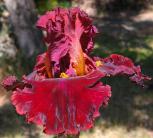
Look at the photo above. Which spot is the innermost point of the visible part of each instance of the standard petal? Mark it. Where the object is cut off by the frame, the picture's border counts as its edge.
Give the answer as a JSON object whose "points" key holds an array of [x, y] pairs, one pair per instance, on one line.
{"points": [[63, 105], [117, 64], [69, 32]]}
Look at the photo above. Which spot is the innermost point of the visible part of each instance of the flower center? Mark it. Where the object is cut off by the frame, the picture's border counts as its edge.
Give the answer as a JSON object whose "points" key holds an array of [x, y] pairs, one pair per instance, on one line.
{"points": [[99, 63], [77, 59], [64, 75]]}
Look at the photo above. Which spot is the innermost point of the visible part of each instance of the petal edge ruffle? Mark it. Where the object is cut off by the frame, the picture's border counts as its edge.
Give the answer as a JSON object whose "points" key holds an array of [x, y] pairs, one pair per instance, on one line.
{"points": [[60, 105]]}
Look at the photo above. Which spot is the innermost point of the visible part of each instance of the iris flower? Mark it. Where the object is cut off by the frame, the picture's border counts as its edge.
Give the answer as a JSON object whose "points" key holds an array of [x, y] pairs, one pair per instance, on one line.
{"points": [[64, 91]]}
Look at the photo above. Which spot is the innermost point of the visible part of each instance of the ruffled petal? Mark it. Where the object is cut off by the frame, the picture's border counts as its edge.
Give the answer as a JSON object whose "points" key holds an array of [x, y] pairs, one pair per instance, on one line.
{"points": [[9, 82], [69, 32], [60, 105], [117, 64]]}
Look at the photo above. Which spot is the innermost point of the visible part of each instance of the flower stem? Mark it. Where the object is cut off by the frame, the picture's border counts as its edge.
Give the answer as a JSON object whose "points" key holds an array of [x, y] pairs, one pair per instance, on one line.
{"points": [[62, 136], [76, 136], [67, 136]]}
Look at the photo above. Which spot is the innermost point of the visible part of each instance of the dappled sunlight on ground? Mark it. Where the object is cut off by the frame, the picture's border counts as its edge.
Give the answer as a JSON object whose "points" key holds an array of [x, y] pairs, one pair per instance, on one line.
{"points": [[118, 132]]}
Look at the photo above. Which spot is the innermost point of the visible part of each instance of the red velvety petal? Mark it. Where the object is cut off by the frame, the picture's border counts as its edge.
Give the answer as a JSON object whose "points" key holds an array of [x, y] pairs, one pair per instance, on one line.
{"points": [[138, 77], [87, 39], [71, 22], [9, 82], [63, 105], [69, 32], [40, 62], [118, 64]]}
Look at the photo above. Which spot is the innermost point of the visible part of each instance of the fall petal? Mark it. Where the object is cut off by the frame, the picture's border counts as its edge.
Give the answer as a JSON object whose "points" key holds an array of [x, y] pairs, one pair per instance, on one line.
{"points": [[118, 64], [60, 105], [9, 82]]}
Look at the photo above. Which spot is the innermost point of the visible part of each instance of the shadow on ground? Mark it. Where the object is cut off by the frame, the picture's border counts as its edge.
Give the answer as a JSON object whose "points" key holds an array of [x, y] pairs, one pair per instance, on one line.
{"points": [[12, 124]]}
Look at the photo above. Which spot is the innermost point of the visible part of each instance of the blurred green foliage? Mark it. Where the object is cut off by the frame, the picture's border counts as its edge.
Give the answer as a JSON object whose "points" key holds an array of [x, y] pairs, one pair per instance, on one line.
{"points": [[46, 5], [140, 49]]}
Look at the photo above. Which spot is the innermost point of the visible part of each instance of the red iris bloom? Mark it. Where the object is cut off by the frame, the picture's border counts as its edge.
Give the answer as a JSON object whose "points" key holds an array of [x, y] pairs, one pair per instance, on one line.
{"points": [[63, 93]]}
